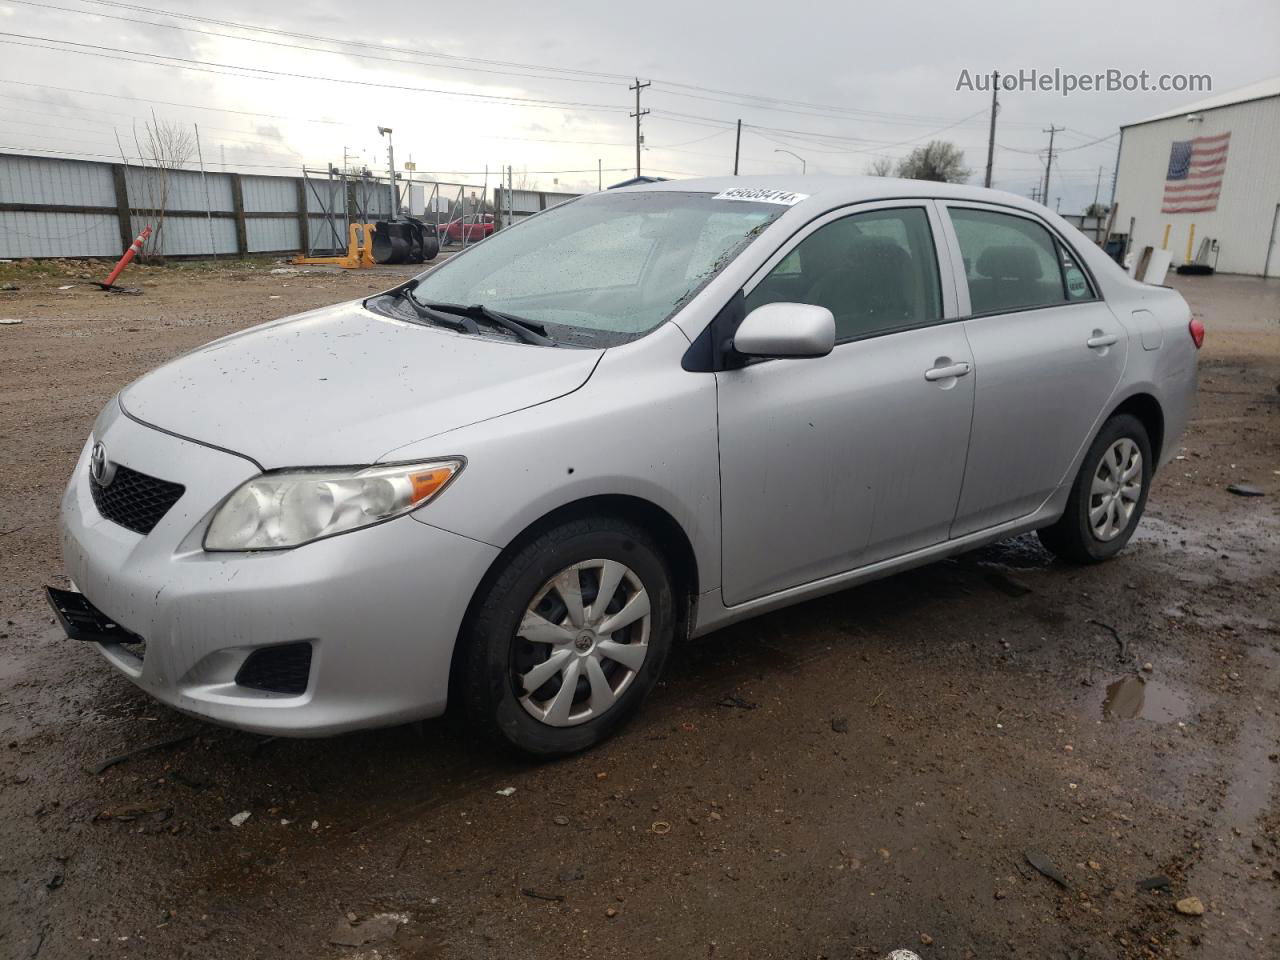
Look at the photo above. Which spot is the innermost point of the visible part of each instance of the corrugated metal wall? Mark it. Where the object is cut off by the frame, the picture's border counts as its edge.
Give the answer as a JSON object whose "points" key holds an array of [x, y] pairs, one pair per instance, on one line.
{"points": [[37, 180], [189, 236], [32, 234], [269, 194], [268, 236], [89, 227], [1247, 206], [200, 216], [178, 189]]}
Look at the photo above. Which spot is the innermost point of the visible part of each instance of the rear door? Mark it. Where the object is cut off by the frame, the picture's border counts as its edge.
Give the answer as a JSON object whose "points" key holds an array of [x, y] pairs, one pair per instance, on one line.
{"points": [[1048, 354], [832, 463]]}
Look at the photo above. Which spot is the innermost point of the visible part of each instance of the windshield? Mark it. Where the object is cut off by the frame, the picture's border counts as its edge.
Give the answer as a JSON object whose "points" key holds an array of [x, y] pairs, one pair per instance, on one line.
{"points": [[604, 269]]}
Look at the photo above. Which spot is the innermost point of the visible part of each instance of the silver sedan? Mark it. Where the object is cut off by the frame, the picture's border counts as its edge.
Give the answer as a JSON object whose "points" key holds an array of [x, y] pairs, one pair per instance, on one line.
{"points": [[510, 485]]}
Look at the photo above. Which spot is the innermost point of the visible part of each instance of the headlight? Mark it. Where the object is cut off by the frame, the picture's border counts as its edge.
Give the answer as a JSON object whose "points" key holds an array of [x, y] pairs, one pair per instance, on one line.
{"points": [[288, 509]]}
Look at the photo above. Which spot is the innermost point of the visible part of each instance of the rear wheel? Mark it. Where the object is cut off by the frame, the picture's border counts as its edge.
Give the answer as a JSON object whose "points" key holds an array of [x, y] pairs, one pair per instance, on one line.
{"points": [[568, 637], [1108, 496]]}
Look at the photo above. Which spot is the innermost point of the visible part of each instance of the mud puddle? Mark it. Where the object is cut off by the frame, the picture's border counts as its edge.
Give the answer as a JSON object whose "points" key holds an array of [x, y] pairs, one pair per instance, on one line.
{"points": [[1135, 698]]}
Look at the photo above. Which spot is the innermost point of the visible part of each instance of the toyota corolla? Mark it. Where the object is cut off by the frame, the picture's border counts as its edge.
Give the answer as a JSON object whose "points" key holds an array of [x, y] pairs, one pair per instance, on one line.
{"points": [[511, 484]]}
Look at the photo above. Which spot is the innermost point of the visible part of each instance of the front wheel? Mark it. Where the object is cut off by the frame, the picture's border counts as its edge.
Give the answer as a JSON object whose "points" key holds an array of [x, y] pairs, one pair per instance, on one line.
{"points": [[1108, 496], [567, 637]]}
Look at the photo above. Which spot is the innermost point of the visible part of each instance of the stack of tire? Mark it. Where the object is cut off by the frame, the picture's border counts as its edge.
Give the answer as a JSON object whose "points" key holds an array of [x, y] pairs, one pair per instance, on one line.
{"points": [[407, 240]]}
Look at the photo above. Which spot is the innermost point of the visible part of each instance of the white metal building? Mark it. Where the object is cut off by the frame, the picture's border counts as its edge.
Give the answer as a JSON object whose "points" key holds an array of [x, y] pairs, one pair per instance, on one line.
{"points": [[1209, 170]]}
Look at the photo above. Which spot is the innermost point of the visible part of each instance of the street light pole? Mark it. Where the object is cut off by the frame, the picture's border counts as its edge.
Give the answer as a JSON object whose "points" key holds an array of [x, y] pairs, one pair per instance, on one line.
{"points": [[804, 167], [391, 164]]}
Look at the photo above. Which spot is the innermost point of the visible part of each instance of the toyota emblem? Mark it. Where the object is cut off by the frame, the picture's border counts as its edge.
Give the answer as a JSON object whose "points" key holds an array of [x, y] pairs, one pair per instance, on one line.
{"points": [[99, 469]]}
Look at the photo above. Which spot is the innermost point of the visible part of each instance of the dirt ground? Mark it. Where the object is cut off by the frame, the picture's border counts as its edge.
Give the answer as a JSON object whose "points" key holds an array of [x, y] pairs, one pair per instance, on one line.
{"points": [[853, 775]]}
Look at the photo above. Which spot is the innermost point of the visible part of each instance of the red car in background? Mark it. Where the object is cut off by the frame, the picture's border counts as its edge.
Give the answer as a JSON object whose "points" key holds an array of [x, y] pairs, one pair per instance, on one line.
{"points": [[453, 231]]}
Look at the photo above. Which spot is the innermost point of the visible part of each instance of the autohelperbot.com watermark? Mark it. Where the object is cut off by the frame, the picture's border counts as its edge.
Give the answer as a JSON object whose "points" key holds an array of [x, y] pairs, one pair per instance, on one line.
{"points": [[1066, 82]]}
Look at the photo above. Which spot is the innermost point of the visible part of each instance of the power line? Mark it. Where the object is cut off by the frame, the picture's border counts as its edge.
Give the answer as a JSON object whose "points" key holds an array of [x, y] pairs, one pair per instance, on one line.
{"points": [[544, 72], [167, 103], [261, 142], [294, 166], [1079, 146], [212, 66], [296, 46], [347, 42], [249, 72]]}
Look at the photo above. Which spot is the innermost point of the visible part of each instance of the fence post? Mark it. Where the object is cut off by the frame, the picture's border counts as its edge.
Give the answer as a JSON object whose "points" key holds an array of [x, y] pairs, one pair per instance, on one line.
{"points": [[122, 204], [304, 223], [237, 205]]}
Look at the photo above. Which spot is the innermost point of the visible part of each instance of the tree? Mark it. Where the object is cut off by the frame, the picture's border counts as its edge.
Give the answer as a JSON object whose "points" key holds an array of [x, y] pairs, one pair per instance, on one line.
{"points": [[937, 160], [1096, 210], [163, 146], [881, 167]]}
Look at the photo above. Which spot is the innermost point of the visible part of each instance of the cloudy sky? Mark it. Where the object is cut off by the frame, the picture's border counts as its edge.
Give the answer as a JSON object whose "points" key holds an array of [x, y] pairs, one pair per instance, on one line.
{"points": [[544, 87]]}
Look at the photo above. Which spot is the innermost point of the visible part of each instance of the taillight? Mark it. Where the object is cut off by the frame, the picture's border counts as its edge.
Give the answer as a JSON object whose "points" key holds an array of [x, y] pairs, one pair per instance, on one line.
{"points": [[1196, 329]]}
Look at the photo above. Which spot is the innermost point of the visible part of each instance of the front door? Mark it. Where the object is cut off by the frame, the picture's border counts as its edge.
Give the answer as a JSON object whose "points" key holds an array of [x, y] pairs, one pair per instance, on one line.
{"points": [[1049, 354], [833, 463]]}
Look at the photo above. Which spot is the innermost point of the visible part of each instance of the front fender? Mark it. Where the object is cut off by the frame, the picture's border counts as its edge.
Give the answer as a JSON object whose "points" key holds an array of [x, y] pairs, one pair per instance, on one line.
{"points": [[639, 427]]}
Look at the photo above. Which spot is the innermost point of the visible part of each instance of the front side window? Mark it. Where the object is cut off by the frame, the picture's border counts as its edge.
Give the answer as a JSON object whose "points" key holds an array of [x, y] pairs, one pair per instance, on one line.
{"points": [[604, 269], [1013, 263], [875, 271]]}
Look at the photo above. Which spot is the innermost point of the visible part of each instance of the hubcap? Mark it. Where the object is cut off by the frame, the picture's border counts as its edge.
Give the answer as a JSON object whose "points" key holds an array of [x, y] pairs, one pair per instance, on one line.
{"points": [[582, 639], [1116, 487]]}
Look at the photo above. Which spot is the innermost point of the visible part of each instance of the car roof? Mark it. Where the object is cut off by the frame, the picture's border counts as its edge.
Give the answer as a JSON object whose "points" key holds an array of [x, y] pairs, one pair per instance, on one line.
{"points": [[831, 191]]}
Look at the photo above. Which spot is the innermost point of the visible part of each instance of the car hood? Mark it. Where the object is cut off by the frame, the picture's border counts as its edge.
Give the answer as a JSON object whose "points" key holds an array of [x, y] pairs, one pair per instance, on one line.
{"points": [[344, 386]]}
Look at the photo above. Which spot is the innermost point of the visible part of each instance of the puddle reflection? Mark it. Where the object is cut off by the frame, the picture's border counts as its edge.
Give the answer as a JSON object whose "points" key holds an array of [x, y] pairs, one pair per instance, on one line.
{"points": [[1131, 698]]}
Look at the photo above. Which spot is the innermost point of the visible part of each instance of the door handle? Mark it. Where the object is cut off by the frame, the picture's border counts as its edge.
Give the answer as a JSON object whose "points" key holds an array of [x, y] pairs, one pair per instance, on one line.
{"points": [[1100, 339], [947, 372]]}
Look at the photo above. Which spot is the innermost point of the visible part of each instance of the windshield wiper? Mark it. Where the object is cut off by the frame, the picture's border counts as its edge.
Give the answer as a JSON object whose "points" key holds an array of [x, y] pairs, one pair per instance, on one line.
{"points": [[463, 324], [529, 331]]}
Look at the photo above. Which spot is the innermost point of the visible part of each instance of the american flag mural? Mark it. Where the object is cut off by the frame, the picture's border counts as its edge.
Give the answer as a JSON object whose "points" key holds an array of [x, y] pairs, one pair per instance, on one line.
{"points": [[1195, 174]]}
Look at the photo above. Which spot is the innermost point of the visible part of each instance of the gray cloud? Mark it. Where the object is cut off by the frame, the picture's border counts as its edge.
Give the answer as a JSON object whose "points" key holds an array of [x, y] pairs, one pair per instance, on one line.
{"points": [[889, 71]]}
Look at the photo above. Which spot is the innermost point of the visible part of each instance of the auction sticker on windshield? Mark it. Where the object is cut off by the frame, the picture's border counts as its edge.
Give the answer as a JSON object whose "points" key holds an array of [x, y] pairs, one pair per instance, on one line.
{"points": [[784, 197]]}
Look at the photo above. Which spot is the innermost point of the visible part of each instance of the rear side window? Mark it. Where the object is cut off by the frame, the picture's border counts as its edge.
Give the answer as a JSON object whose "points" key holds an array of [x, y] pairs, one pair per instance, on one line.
{"points": [[876, 272], [1074, 278], [1013, 263]]}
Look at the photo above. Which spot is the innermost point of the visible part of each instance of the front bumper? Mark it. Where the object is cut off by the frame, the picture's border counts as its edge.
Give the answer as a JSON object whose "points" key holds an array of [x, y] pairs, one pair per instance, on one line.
{"points": [[381, 607]]}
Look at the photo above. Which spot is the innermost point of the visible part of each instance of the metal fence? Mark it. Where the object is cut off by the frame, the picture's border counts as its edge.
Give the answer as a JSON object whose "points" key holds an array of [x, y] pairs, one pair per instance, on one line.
{"points": [[79, 208], [82, 208], [515, 205]]}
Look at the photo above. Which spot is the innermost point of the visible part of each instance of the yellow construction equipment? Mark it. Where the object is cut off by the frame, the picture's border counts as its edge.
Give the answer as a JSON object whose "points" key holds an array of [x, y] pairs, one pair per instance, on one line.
{"points": [[359, 250]]}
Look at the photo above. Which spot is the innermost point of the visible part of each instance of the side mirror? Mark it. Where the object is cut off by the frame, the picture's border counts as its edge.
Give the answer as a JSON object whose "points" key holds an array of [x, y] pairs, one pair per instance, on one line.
{"points": [[786, 330]]}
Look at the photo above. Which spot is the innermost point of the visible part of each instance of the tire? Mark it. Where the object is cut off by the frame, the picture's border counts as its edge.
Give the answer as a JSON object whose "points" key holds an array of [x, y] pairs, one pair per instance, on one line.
{"points": [[1079, 537], [521, 618]]}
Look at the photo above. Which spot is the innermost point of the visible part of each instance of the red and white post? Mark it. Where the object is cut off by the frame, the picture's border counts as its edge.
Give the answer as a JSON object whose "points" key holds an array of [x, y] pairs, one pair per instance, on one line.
{"points": [[134, 249]]}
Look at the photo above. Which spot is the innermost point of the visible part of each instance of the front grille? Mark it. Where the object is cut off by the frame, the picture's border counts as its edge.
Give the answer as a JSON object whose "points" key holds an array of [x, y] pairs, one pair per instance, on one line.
{"points": [[282, 669], [134, 500]]}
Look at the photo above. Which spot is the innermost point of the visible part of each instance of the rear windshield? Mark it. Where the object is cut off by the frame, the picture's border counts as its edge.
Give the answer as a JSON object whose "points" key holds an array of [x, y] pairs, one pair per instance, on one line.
{"points": [[606, 268]]}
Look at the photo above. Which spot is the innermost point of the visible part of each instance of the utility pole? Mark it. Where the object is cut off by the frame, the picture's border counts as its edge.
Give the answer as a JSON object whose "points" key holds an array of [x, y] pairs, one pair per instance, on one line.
{"points": [[391, 169], [599, 174], [1097, 187], [1048, 164], [637, 87], [737, 148], [991, 138], [208, 208]]}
